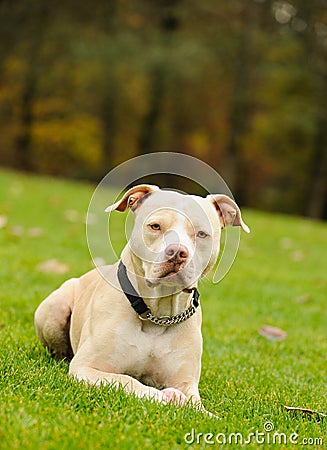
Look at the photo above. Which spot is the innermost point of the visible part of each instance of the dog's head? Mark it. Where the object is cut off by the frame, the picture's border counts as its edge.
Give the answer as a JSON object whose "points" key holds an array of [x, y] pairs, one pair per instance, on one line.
{"points": [[176, 237]]}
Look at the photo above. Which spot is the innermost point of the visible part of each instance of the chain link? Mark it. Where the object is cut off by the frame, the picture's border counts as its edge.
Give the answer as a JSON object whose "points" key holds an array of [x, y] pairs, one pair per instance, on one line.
{"points": [[167, 321]]}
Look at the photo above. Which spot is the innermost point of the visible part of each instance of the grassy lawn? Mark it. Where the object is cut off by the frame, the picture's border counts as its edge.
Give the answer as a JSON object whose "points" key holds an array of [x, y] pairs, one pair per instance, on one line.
{"points": [[279, 278]]}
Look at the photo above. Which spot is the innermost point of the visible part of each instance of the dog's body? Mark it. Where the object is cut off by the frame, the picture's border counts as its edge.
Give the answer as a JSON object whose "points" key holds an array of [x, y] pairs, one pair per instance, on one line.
{"points": [[175, 241]]}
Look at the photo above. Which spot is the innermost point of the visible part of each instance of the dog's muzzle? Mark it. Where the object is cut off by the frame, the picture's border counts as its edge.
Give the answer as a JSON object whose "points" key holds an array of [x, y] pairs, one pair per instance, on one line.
{"points": [[141, 308]]}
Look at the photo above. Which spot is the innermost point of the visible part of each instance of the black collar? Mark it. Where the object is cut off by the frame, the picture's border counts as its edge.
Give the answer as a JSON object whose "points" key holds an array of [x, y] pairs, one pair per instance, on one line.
{"points": [[143, 310]]}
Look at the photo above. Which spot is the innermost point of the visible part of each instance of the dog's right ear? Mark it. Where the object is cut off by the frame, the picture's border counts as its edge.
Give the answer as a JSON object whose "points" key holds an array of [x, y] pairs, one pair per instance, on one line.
{"points": [[132, 197]]}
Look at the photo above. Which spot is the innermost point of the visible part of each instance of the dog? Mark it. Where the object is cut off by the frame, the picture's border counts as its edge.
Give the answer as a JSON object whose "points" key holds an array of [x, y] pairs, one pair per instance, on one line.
{"points": [[136, 324]]}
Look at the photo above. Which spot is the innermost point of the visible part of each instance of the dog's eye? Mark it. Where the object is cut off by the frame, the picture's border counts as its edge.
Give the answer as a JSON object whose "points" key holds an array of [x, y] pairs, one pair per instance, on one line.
{"points": [[155, 226], [201, 234]]}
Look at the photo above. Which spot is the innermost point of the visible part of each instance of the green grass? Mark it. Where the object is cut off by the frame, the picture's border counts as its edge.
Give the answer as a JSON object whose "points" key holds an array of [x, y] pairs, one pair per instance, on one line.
{"points": [[279, 278]]}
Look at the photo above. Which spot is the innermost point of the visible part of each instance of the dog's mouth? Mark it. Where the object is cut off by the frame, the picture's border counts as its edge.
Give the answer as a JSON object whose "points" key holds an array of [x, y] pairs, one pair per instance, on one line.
{"points": [[171, 270]]}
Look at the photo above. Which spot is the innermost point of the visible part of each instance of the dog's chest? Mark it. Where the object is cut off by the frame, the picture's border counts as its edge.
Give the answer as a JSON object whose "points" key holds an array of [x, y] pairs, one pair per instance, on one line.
{"points": [[145, 356]]}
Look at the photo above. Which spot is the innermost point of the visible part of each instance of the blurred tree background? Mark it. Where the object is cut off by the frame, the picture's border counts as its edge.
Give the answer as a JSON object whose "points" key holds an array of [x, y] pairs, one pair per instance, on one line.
{"points": [[240, 84]]}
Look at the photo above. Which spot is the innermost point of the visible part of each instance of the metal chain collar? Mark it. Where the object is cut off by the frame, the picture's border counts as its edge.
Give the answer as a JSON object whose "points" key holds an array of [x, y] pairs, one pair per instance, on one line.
{"points": [[167, 320]]}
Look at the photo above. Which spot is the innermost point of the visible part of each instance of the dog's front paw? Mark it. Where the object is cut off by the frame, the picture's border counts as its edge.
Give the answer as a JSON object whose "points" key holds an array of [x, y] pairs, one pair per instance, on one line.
{"points": [[174, 395]]}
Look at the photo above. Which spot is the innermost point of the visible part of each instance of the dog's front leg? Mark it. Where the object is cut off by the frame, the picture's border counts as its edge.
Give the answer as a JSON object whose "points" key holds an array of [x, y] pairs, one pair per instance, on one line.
{"points": [[129, 384]]}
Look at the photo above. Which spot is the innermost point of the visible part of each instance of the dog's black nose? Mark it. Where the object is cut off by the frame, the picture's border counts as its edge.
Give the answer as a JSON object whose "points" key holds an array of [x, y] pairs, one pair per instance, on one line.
{"points": [[177, 253]]}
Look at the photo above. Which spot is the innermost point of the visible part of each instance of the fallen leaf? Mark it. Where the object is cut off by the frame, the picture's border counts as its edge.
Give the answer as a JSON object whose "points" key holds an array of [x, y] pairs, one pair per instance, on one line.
{"points": [[53, 266], [71, 215], [297, 256], [286, 243], [35, 232], [272, 333], [3, 221], [17, 230], [319, 415], [302, 298]]}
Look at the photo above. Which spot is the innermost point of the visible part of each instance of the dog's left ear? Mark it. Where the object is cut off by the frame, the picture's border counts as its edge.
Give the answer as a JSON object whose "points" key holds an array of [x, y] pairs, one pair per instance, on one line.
{"points": [[229, 212], [131, 197]]}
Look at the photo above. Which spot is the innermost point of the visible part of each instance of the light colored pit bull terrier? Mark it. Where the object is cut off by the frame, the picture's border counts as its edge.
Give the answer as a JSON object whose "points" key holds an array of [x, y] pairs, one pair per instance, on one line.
{"points": [[137, 324]]}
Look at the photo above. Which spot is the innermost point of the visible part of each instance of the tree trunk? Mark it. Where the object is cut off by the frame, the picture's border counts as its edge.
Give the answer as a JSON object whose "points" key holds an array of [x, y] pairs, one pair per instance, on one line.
{"points": [[24, 140], [157, 90], [108, 116], [159, 78], [109, 102], [24, 159], [240, 107], [317, 203]]}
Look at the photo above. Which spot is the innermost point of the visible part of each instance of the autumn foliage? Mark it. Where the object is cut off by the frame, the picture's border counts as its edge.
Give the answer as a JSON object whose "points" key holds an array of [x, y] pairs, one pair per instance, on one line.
{"points": [[240, 84]]}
